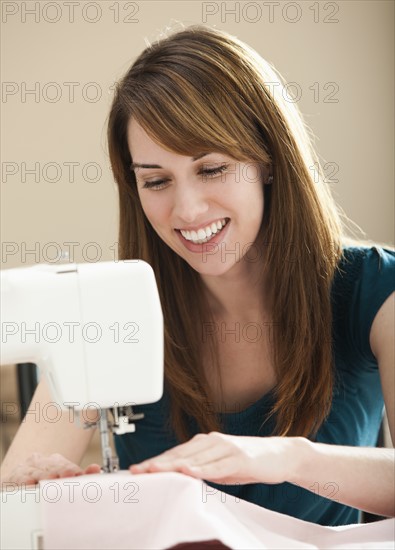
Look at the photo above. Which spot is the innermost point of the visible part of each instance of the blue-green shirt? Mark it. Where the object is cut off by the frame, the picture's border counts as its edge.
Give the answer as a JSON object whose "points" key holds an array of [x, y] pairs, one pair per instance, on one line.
{"points": [[365, 278]]}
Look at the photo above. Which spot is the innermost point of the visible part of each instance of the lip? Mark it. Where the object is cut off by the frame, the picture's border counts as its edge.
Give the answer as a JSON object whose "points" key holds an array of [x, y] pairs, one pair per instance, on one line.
{"points": [[202, 226], [204, 247]]}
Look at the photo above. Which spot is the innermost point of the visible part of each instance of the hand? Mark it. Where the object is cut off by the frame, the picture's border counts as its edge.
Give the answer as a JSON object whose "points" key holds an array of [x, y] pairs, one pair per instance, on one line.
{"points": [[38, 466], [228, 459]]}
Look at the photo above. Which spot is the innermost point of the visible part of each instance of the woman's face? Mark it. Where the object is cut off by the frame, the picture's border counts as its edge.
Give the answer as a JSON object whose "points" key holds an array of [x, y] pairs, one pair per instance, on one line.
{"points": [[211, 198]]}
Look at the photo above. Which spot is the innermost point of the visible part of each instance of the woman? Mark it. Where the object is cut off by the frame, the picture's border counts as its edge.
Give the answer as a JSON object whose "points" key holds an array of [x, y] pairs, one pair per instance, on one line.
{"points": [[273, 326]]}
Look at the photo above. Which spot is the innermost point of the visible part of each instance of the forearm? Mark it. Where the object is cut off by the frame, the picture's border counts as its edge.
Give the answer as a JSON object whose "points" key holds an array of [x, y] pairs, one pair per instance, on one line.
{"points": [[37, 433], [361, 477]]}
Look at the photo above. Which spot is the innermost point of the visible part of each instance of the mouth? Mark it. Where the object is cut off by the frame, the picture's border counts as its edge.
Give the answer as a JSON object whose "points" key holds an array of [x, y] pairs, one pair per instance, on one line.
{"points": [[204, 235]]}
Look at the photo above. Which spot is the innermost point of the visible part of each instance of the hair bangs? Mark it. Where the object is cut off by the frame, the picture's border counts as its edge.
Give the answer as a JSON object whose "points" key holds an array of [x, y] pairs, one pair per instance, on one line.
{"points": [[186, 116]]}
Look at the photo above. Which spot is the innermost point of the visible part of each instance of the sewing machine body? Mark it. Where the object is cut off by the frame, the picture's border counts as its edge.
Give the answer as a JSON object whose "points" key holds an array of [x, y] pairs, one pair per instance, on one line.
{"points": [[94, 330], [20, 518], [96, 333]]}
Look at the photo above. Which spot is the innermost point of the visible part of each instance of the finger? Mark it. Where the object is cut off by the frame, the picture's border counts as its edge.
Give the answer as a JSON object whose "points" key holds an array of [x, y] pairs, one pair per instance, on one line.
{"points": [[50, 471], [178, 464], [93, 469], [63, 469], [138, 468], [206, 444], [31, 483], [202, 454], [224, 470], [54, 463], [26, 481], [207, 456], [198, 443], [52, 476], [68, 472]]}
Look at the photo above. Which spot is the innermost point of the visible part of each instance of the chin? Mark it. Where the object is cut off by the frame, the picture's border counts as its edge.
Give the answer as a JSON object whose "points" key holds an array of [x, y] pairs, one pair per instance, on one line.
{"points": [[211, 269]]}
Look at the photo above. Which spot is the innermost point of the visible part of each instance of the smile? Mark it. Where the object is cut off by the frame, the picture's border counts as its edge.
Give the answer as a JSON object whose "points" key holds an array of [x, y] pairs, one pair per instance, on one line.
{"points": [[205, 234]]}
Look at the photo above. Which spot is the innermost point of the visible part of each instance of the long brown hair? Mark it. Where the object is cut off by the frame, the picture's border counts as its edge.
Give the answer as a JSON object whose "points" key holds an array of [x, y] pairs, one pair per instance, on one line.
{"points": [[201, 90]]}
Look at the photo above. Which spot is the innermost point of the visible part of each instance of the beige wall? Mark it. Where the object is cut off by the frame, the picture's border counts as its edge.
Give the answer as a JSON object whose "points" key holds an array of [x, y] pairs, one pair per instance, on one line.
{"points": [[343, 51]]}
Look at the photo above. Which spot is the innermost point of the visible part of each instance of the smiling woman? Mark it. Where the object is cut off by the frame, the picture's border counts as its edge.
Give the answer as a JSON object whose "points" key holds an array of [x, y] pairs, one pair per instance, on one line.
{"points": [[216, 193], [203, 91], [279, 350]]}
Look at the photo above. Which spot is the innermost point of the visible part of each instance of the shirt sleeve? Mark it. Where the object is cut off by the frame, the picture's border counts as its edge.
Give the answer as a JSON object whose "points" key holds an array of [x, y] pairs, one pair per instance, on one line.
{"points": [[374, 282]]}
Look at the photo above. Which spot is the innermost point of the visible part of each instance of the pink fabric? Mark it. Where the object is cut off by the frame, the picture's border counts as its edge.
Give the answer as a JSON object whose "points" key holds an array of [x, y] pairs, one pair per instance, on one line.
{"points": [[158, 511], [207, 545]]}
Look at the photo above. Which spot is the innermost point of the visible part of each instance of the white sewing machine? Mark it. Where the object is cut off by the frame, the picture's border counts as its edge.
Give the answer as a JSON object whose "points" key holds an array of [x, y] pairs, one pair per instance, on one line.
{"points": [[96, 333]]}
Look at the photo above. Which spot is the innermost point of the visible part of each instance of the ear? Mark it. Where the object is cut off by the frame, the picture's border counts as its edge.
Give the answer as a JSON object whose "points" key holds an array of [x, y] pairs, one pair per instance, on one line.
{"points": [[267, 174]]}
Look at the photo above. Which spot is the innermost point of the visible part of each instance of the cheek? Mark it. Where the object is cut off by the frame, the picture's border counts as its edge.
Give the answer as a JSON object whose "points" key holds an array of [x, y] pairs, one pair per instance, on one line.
{"points": [[253, 210], [249, 185], [250, 200], [256, 188], [252, 174], [154, 209]]}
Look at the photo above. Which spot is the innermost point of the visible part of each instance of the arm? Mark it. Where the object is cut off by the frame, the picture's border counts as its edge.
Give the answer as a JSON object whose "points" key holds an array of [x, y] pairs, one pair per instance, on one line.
{"points": [[365, 476], [38, 435], [383, 347], [360, 477]]}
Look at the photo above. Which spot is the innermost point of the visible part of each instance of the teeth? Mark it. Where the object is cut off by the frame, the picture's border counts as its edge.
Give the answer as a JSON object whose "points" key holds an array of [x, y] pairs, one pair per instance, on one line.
{"points": [[203, 235]]}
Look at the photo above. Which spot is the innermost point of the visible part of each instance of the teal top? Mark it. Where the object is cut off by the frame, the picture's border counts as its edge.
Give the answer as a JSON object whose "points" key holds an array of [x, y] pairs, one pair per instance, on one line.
{"points": [[365, 279]]}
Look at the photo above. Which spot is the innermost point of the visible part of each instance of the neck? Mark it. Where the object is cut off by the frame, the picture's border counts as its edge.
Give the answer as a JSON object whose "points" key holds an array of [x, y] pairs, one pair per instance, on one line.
{"points": [[240, 293]]}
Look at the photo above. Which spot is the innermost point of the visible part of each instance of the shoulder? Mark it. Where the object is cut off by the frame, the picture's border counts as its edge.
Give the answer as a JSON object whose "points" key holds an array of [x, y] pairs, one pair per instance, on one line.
{"points": [[372, 258], [364, 279], [364, 266]]}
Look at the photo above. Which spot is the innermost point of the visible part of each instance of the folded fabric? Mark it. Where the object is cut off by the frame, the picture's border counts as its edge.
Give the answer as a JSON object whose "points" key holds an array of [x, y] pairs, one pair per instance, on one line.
{"points": [[163, 510]]}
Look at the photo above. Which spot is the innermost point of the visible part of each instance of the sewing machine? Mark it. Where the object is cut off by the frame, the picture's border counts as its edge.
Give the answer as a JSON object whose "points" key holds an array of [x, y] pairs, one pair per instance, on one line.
{"points": [[95, 331]]}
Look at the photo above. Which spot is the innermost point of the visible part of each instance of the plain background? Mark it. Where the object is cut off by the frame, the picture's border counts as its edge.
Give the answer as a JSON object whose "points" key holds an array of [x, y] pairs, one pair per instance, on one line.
{"points": [[60, 60]]}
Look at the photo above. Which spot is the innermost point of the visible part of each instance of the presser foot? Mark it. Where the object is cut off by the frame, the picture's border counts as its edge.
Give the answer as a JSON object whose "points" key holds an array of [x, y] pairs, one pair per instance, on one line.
{"points": [[110, 465]]}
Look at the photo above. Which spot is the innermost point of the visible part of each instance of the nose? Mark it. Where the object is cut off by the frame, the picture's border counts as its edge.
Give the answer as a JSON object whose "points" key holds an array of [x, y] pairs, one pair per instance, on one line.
{"points": [[190, 205]]}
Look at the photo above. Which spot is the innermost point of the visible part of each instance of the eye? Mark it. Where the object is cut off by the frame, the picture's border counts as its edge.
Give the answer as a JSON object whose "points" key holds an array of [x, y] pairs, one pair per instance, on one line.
{"points": [[210, 172], [155, 184]]}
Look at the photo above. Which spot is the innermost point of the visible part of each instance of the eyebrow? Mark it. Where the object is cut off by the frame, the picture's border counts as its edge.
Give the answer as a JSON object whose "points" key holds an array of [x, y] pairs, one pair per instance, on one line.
{"points": [[139, 165]]}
